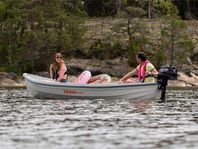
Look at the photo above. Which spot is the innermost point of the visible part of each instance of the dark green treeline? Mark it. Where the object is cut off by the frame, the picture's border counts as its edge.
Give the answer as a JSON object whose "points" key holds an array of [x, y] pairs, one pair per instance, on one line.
{"points": [[188, 9], [32, 30]]}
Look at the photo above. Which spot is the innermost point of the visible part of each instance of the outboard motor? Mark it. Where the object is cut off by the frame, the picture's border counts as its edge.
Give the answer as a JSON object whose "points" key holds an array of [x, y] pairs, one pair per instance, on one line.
{"points": [[165, 73]]}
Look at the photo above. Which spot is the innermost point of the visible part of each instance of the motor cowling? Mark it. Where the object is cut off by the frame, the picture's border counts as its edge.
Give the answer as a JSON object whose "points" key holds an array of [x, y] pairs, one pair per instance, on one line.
{"points": [[165, 73]]}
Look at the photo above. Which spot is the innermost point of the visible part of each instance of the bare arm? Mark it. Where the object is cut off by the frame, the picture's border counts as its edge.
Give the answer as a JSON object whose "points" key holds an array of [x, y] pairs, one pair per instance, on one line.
{"points": [[62, 71], [128, 75], [154, 73], [51, 71]]}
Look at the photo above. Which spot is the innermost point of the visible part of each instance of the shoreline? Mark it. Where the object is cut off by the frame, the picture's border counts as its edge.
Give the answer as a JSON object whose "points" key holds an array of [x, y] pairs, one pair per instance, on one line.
{"points": [[169, 87], [182, 88], [184, 82]]}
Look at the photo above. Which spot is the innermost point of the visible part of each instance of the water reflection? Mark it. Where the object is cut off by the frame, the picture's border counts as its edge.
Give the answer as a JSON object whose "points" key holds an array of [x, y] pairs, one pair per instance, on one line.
{"points": [[26, 122]]}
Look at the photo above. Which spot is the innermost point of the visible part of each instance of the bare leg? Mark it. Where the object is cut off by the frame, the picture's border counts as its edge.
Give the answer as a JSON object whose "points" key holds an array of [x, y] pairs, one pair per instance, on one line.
{"points": [[73, 79], [130, 80], [100, 79]]}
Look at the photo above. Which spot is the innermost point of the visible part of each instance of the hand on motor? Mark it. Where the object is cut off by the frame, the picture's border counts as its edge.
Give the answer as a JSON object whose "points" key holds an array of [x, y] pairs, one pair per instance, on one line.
{"points": [[153, 74]]}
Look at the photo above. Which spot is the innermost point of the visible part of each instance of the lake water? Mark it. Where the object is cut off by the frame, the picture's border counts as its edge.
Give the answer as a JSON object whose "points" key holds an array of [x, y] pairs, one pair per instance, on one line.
{"points": [[29, 123]]}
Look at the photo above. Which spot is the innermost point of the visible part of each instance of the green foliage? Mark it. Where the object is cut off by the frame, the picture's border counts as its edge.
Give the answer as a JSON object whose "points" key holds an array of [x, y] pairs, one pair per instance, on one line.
{"points": [[154, 8], [175, 41], [166, 7], [132, 52], [184, 47], [108, 8], [2, 8], [101, 8], [30, 29], [134, 12], [158, 58], [105, 51], [74, 7], [136, 31]]}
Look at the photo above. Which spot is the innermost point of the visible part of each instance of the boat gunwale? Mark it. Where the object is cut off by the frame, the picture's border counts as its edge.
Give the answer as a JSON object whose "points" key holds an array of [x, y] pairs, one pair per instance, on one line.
{"points": [[112, 85]]}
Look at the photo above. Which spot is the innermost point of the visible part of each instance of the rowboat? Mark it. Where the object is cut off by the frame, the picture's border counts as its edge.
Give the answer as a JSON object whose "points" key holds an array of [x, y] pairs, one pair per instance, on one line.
{"points": [[42, 87]]}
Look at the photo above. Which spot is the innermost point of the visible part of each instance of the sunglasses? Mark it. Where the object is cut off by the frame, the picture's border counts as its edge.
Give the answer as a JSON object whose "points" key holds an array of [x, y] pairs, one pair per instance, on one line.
{"points": [[58, 57]]}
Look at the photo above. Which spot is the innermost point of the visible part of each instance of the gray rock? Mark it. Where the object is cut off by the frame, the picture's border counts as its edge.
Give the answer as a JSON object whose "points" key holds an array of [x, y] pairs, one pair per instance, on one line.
{"points": [[195, 50], [195, 71], [74, 69], [95, 70], [12, 76], [43, 74]]}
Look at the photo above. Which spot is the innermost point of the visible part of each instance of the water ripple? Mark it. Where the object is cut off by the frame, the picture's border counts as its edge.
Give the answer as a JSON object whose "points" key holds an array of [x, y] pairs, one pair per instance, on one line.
{"points": [[26, 122]]}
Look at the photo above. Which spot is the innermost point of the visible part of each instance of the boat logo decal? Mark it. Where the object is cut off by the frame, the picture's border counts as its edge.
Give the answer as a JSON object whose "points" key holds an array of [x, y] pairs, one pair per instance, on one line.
{"points": [[72, 91]]}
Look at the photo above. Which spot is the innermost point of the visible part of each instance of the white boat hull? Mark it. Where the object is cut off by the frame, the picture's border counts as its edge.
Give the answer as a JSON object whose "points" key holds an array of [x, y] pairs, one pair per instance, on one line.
{"points": [[42, 87]]}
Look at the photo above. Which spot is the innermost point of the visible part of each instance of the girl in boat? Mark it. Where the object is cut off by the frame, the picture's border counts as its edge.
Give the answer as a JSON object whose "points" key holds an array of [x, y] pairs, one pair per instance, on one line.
{"points": [[145, 71], [86, 78], [58, 69]]}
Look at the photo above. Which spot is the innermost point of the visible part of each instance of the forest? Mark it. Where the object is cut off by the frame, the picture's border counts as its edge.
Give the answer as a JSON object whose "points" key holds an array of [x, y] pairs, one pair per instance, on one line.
{"points": [[31, 31]]}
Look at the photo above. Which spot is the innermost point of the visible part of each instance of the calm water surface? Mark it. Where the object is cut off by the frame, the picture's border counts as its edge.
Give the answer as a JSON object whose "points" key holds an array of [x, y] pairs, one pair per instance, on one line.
{"points": [[29, 123]]}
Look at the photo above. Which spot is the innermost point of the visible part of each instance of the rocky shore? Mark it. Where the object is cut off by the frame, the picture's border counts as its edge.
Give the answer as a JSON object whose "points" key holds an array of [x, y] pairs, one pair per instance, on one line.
{"points": [[115, 68], [11, 80]]}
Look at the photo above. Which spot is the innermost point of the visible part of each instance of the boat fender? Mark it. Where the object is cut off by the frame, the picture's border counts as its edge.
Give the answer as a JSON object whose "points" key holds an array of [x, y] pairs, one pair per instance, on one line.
{"points": [[83, 78]]}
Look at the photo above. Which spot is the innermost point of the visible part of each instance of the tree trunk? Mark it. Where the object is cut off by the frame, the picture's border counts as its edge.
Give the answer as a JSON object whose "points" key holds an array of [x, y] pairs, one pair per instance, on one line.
{"points": [[128, 28], [1, 25], [118, 5], [172, 43], [149, 9], [22, 31], [32, 45], [188, 6]]}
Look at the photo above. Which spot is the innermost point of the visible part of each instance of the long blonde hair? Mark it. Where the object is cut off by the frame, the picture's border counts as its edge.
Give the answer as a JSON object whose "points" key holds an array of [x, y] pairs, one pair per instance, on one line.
{"points": [[56, 65]]}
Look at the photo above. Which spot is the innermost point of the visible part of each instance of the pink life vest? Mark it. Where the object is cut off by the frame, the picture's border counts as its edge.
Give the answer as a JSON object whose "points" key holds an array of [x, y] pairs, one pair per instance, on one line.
{"points": [[142, 70]]}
